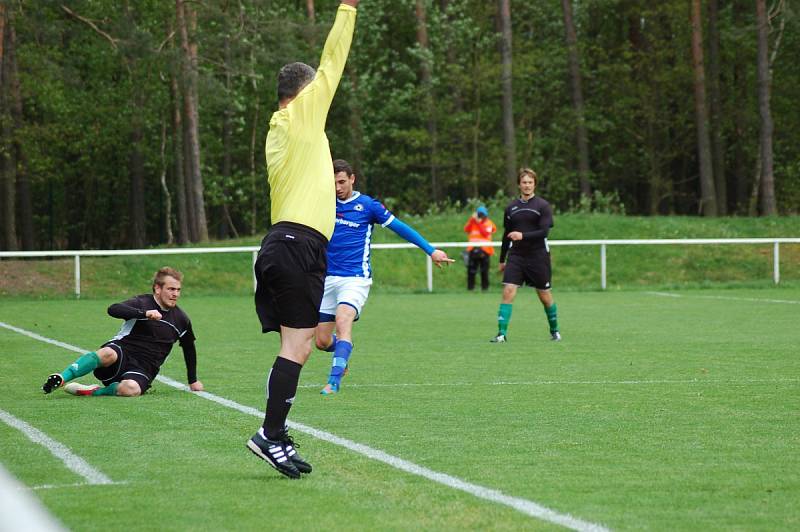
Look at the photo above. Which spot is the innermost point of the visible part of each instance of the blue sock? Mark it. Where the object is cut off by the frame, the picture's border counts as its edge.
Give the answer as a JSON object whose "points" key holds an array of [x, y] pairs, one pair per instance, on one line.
{"points": [[331, 348], [340, 358]]}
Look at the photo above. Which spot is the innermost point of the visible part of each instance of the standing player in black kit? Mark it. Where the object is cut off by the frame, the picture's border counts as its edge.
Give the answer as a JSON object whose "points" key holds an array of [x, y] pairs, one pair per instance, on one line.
{"points": [[527, 221]]}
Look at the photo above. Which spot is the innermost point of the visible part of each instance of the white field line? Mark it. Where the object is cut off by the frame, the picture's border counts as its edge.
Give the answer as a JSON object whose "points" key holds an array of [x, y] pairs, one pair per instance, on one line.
{"points": [[524, 506], [19, 510], [733, 382], [73, 485], [74, 463], [726, 298]]}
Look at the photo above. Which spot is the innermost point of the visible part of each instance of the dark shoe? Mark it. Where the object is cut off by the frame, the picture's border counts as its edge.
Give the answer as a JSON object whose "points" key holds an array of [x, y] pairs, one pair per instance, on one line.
{"points": [[294, 456], [555, 336], [53, 381], [274, 453], [499, 339]]}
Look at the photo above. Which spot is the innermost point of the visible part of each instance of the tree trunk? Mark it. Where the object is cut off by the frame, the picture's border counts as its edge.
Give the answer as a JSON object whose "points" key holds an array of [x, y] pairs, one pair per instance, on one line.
{"points": [[311, 12], [8, 163], [509, 139], [708, 200], [459, 135], [24, 200], [740, 171], [177, 159], [356, 129], [137, 227], [187, 24], [168, 236], [768, 207], [577, 99], [476, 127], [427, 88], [253, 143], [225, 223], [715, 101]]}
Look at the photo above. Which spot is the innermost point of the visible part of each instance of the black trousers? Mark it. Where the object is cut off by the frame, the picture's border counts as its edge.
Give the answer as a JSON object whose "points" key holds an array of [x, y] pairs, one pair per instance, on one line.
{"points": [[478, 259]]}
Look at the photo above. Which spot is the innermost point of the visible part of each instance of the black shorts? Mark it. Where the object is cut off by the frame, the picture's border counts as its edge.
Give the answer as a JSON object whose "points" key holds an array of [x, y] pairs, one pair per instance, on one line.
{"points": [[532, 269], [290, 277], [127, 367]]}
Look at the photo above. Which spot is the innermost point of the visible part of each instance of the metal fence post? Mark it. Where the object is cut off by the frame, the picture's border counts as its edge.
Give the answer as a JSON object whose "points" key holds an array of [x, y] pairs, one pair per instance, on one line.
{"points": [[603, 266], [776, 263], [429, 270], [77, 276]]}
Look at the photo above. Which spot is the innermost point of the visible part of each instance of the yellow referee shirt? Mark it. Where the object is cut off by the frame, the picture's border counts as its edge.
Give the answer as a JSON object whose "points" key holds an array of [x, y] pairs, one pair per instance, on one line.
{"points": [[299, 160]]}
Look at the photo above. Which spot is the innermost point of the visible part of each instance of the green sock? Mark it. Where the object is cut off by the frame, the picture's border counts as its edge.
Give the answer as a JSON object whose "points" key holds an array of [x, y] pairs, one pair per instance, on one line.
{"points": [[111, 389], [503, 317], [552, 317], [81, 367]]}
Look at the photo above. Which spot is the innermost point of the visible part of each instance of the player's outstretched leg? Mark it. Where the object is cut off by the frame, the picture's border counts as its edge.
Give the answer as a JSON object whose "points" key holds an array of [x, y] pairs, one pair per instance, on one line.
{"points": [[341, 359], [85, 364], [76, 388]]}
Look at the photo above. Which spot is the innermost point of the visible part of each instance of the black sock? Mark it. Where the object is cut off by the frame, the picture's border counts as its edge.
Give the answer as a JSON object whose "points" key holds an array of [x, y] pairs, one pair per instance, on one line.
{"points": [[281, 389]]}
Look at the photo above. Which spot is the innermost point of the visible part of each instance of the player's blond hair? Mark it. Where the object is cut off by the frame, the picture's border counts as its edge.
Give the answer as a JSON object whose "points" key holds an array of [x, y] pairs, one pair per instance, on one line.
{"points": [[160, 276], [527, 172]]}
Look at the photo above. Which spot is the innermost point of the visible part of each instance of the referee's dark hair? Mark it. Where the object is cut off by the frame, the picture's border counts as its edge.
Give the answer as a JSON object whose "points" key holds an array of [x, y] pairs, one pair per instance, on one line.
{"points": [[527, 172], [340, 165], [292, 78], [166, 271]]}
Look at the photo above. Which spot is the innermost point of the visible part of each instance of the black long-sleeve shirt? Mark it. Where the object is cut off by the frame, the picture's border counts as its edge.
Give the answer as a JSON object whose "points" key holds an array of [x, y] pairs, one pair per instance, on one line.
{"points": [[153, 339], [532, 218]]}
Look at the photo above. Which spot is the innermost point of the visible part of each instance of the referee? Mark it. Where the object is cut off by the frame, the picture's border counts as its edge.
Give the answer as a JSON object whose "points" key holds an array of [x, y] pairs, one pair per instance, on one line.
{"points": [[290, 267], [527, 221]]}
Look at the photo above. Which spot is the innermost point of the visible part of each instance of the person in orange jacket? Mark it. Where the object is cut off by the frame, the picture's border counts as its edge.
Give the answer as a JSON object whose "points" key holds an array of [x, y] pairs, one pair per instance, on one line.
{"points": [[479, 228]]}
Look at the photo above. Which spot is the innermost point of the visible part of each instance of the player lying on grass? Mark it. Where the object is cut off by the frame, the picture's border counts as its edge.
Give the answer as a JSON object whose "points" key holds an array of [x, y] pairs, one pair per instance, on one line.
{"points": [[128, 363], [349, 275]]}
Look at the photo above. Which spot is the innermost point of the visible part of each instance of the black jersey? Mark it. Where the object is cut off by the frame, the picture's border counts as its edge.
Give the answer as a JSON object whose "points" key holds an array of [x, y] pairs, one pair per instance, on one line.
{"points": [[149, 339], [533, 218]]}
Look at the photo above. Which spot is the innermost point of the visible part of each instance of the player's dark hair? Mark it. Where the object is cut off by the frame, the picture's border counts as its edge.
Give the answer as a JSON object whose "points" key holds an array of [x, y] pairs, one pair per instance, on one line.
{"points": [[340, 165], [163, 273], [292, 78], [527, 172]]}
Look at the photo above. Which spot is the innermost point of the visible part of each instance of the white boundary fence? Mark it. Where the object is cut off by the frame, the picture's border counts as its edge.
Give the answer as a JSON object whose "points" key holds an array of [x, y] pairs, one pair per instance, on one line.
{"points": [[775, 242]]}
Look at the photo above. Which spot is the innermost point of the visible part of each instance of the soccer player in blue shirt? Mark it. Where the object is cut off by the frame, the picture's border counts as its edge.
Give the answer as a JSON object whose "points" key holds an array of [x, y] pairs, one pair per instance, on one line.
{"points": [[349, 275]]}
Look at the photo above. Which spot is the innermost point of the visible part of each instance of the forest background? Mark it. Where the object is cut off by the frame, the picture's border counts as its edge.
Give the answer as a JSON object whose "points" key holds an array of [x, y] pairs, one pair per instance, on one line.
{"points": [[142, 122]]}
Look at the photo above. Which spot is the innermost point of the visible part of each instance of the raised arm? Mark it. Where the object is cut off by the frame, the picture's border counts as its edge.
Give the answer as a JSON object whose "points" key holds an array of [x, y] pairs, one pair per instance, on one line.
{"points": [[314, 101]]}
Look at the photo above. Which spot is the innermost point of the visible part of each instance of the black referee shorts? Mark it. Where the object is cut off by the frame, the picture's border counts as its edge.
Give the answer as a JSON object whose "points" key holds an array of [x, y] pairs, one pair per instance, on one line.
{"points": [[290, 277], [532, 269]]}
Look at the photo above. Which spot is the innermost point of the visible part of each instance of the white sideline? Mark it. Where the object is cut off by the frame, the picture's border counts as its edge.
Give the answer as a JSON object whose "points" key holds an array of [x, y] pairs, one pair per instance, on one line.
{"points": [[73, 462], [726, 298], [524, 506], [19, 510]]}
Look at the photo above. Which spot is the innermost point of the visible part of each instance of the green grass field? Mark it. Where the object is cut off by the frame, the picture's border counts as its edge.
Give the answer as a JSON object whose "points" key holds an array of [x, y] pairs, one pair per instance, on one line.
{"points": [[659, 412]]}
